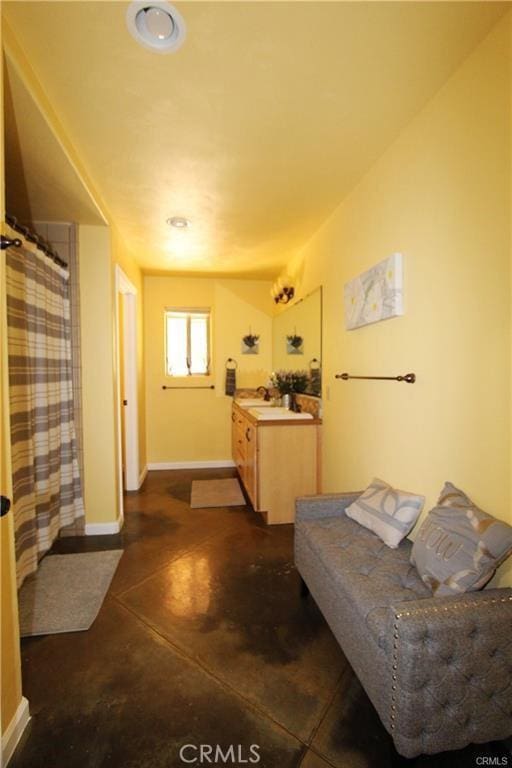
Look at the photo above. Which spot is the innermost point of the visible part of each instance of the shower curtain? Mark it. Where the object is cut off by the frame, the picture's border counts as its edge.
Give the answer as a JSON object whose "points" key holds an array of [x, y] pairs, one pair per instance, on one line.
{"points": [[47, 492]]}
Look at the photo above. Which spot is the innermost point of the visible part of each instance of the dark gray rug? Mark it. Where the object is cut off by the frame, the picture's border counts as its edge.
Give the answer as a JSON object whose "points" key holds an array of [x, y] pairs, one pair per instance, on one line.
{"points": [[66, 593]]}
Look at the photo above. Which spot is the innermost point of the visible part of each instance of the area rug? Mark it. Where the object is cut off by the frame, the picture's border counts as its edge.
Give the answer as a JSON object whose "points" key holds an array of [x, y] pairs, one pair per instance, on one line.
{"points": [[66, 593], [216, 493]]}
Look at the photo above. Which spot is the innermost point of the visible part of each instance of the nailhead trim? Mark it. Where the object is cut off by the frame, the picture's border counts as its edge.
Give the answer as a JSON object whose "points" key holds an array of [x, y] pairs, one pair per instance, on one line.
{"points": [[457, 607], [426, 612], [395, 666]]}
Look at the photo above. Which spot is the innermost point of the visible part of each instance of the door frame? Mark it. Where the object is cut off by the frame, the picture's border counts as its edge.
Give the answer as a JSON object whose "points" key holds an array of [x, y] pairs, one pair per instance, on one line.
{"points": [[126, 288]]}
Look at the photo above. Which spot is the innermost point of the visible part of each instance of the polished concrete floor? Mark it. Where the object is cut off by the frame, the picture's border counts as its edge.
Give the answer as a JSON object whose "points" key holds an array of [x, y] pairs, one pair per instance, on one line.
{"points": [[203, 639]]}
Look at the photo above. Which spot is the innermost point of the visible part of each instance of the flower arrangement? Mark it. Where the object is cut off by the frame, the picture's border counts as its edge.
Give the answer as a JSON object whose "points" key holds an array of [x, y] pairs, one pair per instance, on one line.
{"points": [[295, 341], [289, 382], [250, 340]]}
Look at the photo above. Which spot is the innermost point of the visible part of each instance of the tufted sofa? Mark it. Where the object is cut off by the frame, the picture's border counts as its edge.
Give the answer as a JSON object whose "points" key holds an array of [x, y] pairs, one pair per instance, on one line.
{"points": [[438, 670]]}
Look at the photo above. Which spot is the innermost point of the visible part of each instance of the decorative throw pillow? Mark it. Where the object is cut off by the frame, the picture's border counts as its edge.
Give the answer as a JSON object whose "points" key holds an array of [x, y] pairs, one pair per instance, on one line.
{"points": [[389, 513], [458, 546]]}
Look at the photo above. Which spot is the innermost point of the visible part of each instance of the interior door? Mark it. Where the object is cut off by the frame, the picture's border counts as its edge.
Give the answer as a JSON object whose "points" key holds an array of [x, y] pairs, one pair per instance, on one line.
{"points": [[122, 380]]}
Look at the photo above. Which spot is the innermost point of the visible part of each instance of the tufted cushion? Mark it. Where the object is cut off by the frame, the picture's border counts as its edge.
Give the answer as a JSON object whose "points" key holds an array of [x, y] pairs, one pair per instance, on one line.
{"points": [[387, 511], [368, 573]]}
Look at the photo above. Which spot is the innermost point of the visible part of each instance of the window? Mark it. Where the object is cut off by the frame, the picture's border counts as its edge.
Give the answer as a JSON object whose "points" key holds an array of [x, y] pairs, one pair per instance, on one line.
{"points": [[187, 342]]}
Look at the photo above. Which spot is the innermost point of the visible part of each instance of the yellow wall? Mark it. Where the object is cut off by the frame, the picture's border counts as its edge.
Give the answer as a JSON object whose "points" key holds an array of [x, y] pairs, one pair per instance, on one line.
{"points": [[10, 667], [98, 389], [240, 307], [10, 663], [10, 672], [509, 19], [195, 426], [441, 196]]}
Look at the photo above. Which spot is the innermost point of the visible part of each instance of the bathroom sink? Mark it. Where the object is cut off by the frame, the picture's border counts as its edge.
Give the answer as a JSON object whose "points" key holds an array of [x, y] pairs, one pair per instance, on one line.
{"points": [[251, 402], [274, 414]]}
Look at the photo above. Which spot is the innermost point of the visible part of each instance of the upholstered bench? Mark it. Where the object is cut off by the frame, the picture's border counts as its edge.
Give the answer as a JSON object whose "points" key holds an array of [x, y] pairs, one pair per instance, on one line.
{"points": [[437, 669]]}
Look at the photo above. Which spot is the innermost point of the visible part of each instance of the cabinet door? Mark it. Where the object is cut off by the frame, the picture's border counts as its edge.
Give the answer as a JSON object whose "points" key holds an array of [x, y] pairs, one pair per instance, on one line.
{"points": [[234, 434], [238, 443], [287, 468], [251, 457]]}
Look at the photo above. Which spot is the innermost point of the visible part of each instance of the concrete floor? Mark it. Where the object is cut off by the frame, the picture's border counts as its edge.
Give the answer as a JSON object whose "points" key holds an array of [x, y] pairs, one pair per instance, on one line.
{"points": [[202, 639]]}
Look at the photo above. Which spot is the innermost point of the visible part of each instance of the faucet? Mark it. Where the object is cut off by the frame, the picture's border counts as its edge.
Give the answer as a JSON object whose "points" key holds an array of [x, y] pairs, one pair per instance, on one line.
{"points": [[266, 395]]}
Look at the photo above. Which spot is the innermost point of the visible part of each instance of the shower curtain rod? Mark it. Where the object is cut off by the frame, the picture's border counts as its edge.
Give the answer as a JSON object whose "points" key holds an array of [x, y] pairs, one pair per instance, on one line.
{"points": [[40, 244]]}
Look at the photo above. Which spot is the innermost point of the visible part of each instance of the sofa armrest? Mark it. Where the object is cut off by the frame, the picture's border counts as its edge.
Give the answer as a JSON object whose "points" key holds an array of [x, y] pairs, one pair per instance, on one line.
{"points": [[325, 505], [451, 669]]}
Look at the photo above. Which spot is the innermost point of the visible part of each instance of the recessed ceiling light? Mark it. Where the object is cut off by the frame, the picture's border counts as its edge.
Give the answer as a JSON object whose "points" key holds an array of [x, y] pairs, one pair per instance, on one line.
{"points": [[180, 222], [156, 24]]}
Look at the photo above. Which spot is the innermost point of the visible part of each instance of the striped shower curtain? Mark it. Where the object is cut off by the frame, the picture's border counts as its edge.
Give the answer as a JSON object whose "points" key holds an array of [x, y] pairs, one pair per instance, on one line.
{"points": [[47, 491]]}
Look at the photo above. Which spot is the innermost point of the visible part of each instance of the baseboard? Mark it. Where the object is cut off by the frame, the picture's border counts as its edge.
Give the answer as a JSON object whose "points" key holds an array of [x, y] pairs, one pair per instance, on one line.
{"points": [[221, 464], [103, 529], [142, 475], [14, 731]]}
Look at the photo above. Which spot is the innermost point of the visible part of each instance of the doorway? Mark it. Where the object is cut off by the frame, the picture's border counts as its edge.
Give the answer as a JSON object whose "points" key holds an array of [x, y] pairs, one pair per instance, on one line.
{"points": [[127, 390]]}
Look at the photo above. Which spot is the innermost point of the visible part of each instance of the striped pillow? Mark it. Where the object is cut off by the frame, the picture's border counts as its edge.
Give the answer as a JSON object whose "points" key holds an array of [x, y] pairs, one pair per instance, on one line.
{"points": [[388, 512]]}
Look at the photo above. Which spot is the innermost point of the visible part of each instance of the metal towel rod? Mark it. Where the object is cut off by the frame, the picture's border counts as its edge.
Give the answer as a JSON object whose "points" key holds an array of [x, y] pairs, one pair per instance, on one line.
{"points": [[210, 386], [409, 378]]}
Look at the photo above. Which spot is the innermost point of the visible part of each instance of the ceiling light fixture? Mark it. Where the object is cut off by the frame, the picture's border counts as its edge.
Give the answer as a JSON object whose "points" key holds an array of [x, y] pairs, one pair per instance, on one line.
{"points": [[283, 291], [156, 24], [180, 222]]}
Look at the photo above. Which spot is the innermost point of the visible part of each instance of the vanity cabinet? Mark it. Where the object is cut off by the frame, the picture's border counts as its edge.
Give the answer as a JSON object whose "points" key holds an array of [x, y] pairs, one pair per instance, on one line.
{"points": [[244, 448], [276, 461]]}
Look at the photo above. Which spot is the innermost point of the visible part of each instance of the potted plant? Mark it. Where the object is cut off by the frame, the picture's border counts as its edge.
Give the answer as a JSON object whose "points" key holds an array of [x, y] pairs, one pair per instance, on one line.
{"points": [[300, 381], [250, 340], [295, 341], [289, 383], [282, 381]]}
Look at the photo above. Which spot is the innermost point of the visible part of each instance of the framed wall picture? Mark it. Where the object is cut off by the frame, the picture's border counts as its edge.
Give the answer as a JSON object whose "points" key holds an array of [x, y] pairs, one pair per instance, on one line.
{"points": [[376, 294]]}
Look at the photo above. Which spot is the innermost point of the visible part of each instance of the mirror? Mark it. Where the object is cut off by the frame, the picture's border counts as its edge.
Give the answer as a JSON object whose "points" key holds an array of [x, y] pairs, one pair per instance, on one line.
{"points": [[297, 339]]}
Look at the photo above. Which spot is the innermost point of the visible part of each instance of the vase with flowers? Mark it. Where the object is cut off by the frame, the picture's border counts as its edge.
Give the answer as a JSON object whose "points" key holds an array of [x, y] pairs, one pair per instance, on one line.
{"points": [[289, 384]]}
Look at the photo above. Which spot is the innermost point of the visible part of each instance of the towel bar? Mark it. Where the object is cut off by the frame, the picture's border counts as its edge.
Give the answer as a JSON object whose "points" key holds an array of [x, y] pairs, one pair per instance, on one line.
{"points": [[409, 378], [210, 386]]}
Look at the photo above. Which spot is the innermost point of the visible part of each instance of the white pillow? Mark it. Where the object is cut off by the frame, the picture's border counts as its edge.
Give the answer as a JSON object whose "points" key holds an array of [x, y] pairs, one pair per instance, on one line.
{"points": [[388, 512]]}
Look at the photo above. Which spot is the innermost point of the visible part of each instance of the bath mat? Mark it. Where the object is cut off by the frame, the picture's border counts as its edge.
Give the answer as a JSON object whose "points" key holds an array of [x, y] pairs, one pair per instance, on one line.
{"points": [[66, 593], [216, 493]]}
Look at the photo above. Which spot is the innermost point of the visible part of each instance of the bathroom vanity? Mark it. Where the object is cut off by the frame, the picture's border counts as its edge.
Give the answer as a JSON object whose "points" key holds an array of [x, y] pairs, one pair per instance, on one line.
{"points": [[277, 455]]}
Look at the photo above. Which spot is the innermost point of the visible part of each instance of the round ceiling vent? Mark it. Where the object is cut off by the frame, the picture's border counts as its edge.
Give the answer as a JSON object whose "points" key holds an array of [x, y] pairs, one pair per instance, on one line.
{"points": [[156, 25], [180, 222]]}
